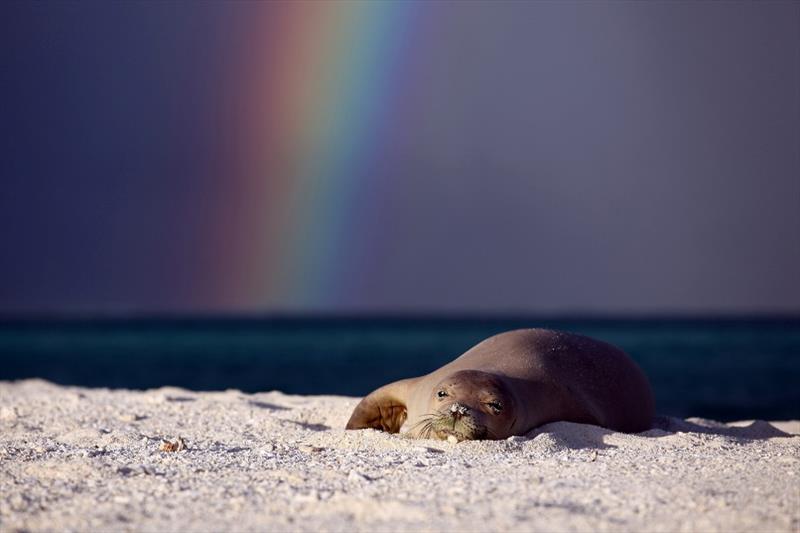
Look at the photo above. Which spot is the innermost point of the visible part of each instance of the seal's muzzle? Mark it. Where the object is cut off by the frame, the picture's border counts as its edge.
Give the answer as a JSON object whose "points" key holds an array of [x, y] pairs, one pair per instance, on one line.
{"points": [[457, 410]]}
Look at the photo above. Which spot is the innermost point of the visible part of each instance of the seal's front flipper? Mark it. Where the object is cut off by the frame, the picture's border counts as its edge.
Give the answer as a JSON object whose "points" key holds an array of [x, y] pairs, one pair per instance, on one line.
{"points": [[383, 409]]}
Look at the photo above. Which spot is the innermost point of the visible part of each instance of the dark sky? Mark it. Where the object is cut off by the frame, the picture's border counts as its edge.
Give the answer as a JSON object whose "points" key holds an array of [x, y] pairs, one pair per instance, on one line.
{"points": [[553, 157]]}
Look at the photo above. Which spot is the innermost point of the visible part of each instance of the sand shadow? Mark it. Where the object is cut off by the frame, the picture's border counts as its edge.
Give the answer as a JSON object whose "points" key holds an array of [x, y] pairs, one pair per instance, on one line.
{"points": [[180, 399], [267, 405], [237, 449], [309, 426], [574, 436], [755, 430]]}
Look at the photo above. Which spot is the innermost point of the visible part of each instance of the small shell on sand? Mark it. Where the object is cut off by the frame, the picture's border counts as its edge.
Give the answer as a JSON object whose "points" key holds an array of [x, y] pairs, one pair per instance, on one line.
{"points": [[177, 446]]}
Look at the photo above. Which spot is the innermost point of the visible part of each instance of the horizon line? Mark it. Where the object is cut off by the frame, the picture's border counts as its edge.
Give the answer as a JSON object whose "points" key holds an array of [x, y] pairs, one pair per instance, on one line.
{"points": [[396, 316]]}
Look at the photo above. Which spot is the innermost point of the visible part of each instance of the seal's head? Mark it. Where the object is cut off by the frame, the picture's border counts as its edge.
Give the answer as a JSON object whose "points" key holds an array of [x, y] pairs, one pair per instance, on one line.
{"points": [[469, 405]]}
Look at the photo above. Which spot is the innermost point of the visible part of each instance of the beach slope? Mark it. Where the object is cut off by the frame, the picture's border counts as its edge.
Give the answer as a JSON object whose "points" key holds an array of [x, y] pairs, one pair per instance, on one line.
{"points": [[177, 460]]}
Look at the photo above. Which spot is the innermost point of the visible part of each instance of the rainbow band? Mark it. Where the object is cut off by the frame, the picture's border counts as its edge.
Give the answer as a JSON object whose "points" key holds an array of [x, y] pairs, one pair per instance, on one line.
{"points": [[319, 81]]}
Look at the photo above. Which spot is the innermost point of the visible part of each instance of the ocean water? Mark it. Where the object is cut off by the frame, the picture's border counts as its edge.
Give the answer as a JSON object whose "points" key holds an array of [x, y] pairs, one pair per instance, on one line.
{"points": [[726, 369]]}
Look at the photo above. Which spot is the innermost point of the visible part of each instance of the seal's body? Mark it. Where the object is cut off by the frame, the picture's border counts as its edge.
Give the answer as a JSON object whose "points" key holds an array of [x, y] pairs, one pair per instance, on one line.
{"points": [[512, 383]]}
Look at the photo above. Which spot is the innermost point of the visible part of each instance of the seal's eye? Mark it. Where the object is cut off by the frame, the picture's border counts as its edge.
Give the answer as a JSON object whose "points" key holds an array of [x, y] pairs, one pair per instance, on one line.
{"points": [[441, 394], [495, 406]]}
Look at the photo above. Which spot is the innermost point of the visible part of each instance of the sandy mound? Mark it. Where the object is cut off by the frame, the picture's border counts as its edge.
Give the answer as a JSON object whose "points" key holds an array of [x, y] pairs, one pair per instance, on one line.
{"points": [[92, 459]]}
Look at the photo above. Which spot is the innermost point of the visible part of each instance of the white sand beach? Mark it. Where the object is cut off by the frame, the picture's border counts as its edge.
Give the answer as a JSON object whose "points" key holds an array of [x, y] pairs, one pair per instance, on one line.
{"points": [[91, 459]]}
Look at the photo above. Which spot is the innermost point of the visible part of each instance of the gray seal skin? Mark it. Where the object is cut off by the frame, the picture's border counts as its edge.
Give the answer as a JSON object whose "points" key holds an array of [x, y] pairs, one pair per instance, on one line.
{"points": [[512, 383]]}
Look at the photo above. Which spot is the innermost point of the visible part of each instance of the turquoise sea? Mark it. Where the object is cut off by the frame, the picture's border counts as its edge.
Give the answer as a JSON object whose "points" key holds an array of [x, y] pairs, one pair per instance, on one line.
{"points": [[721, 368]]}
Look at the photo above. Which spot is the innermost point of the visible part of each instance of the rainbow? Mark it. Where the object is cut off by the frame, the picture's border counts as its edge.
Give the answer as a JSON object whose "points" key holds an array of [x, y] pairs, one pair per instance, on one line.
{"points": [[314, 97]]}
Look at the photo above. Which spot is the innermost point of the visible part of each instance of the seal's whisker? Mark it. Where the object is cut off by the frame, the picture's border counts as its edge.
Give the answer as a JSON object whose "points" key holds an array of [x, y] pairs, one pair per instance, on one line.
{"points": [[417, 424], [423, 420], [424, 426]]}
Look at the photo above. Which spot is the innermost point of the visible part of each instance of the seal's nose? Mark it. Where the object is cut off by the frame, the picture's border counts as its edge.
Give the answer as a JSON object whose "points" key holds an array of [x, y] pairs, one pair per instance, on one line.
{"points": [[457, 410]]}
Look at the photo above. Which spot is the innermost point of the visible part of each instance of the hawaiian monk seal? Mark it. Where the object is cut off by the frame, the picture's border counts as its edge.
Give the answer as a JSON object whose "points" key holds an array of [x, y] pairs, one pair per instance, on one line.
{"points": [[512, 383]]}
